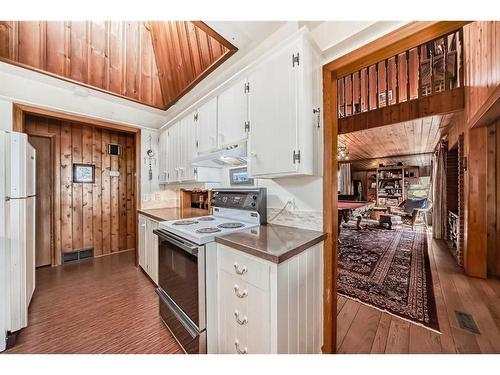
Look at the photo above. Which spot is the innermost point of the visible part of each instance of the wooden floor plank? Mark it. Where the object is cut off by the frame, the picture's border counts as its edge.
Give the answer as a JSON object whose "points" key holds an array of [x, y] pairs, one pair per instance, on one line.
{"points": [[104, 305], [398, 339], [380, 340], [361, 337], [346, 316], [423, 341]]}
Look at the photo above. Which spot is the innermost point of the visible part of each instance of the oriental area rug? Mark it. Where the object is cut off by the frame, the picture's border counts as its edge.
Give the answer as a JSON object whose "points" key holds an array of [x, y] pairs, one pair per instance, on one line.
{"points": [[389, 270]]}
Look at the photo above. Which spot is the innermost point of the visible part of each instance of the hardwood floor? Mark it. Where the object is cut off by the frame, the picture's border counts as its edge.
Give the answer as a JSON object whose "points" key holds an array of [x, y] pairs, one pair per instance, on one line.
{"points": [[104, 305], [363, 329]]}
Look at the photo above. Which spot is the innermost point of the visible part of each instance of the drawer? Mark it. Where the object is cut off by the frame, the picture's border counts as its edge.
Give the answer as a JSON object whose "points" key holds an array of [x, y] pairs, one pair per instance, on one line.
{"points": [[244, 322], [244, 267]]}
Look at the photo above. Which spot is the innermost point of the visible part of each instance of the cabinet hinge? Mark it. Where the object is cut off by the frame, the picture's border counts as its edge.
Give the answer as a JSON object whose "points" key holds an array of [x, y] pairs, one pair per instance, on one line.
{"points": [[247, 87], [195, 117], [296, 156], [295, 59], [195, 171], [197, 144], [168, 175], [247, 126]]}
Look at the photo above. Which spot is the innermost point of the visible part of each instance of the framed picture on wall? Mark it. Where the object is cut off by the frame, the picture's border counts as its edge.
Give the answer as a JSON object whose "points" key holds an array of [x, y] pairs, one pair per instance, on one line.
{"points": [[84, 173]]}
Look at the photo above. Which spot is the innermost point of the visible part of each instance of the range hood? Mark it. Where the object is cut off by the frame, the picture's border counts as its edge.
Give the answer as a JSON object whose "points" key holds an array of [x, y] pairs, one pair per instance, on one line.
{"points": [[230, 156]]}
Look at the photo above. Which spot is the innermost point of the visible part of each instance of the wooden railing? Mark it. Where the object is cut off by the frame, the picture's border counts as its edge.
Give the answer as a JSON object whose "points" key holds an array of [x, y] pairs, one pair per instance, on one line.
{"points": [[430, 68]]}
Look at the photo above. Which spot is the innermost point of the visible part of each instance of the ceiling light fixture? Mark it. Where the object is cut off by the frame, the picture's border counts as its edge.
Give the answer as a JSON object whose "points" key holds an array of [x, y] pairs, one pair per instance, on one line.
{"points": [[342, 153]]}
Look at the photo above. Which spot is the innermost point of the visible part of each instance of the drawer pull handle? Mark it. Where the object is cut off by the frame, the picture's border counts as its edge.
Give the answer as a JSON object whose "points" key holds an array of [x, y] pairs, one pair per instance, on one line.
{"points": [[241, 322], [240, 270], [238, 293], [237, 346]]}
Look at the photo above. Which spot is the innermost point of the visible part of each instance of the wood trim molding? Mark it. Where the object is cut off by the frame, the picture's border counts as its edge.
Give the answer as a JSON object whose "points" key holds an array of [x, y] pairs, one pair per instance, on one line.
{"points": [[202, 25], [19, 110], [18, 117], [402, 39], [53, 256], [489, 111]]}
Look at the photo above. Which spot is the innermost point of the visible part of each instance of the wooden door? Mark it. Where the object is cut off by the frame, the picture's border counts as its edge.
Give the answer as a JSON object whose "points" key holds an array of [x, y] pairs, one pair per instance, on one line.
{"points": [[207, 126], [232, 113], [273, 116], [43, 210]]}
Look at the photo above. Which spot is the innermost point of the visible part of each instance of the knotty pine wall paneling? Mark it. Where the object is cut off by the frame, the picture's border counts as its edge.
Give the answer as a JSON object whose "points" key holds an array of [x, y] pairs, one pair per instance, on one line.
{"points": [[99, 215]]}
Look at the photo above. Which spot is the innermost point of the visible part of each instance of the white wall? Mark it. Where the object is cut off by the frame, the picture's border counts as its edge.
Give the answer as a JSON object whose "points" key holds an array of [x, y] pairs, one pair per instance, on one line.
{"points": [[149, 138]]}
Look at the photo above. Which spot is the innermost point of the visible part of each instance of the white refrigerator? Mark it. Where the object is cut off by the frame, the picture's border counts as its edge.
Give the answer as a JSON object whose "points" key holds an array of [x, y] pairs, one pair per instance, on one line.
{"points": [[17, 231]]}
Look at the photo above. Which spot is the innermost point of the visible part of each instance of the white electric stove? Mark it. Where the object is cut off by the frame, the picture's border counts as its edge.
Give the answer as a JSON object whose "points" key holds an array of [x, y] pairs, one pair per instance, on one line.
{"points": [[186, 249]]}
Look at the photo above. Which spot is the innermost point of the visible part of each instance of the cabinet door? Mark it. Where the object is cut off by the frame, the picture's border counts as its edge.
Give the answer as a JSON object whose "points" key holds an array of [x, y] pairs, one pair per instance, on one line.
{"points": [[152, 250], [142, 242], [173, 153], [189, 151], [273, 115], [206, 125], [232, 113], [163, 157]]}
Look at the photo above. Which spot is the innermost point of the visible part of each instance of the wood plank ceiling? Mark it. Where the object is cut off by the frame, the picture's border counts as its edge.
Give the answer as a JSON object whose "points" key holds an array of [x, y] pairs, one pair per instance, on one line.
{"points": [[152, 63], [411, 142]]}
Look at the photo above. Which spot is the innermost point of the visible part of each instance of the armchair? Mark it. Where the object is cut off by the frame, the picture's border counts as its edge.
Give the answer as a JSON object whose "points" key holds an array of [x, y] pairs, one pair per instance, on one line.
{"points": [[413, 210]]}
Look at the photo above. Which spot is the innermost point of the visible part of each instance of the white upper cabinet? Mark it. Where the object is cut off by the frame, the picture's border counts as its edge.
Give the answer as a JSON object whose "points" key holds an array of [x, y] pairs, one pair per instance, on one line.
{"points": [[163, 157], [232, 114], [188, 143], [206, 126], [283, 118]]}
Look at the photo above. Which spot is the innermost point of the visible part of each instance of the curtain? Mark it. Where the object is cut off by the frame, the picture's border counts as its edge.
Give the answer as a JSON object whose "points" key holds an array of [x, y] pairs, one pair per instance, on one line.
{"points": [[439, 209], [345, 179]]}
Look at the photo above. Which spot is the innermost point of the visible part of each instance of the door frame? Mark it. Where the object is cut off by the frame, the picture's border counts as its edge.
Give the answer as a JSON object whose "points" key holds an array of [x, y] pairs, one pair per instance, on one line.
{"points": [[393, 43], [51, 137], [19, 112]]}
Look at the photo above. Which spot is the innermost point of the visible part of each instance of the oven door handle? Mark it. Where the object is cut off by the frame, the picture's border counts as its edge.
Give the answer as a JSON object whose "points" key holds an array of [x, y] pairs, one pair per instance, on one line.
{"points": [[189, 326], [177, 241]]}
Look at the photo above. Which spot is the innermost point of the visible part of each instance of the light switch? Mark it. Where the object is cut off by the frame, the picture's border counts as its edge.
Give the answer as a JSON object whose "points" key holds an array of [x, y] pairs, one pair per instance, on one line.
{"points": [[114, 173]]}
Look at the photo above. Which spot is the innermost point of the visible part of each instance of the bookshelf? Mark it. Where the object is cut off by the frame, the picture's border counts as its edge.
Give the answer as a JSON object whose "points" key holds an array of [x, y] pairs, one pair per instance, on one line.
{"points": [[393, 182]]}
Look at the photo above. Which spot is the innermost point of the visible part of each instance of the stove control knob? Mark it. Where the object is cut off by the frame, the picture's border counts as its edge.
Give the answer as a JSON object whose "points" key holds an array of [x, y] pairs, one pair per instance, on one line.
{"points": [[253, 204], [254, 197]]}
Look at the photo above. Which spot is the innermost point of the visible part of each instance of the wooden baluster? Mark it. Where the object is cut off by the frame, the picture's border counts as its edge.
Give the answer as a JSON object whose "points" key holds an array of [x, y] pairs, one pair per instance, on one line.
{"points": [[345, 98], [432, 49], [352, 94], [386, 82], [368, 87], [377, 85], [447, 85], [397, 79], [419, 75], [408, 87], [460, 57], [359, 91]]}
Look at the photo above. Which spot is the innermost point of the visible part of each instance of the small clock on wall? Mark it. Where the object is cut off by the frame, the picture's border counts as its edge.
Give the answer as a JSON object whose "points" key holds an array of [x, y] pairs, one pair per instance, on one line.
{"points": [[84, 173]]}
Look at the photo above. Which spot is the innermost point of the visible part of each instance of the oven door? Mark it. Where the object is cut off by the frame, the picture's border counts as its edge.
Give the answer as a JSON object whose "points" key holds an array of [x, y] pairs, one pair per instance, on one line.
{"points": [[181, 280]]}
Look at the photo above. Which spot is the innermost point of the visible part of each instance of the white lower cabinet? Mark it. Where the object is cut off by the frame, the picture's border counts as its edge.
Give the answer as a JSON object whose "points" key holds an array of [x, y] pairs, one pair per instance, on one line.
{"points": [[148, 247], [265, 307]]}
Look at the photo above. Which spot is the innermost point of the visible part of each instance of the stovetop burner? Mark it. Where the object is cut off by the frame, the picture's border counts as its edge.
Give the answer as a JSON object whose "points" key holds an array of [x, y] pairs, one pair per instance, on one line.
{"points": [[185, 222], [206, 218], [208, 230], [231, 225]]}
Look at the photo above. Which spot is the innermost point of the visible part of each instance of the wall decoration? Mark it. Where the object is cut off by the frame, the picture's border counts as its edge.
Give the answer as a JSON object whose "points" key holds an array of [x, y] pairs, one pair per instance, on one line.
{"points": [[84, 173]]}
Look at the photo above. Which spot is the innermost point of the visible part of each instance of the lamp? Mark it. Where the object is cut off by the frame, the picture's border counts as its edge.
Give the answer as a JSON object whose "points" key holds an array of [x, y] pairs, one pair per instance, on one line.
{"points": [[342, 152]]}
